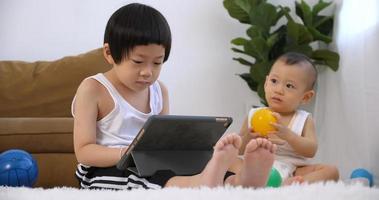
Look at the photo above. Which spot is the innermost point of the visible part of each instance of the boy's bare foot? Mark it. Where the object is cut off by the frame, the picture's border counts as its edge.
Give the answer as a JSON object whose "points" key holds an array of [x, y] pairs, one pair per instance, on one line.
{"points": [[257, 164], [225, 153], [292, 180]]}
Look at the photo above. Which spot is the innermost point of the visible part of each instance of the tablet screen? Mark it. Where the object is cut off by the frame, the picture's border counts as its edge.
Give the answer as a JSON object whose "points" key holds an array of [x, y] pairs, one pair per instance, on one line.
{"points": [[173, 132]]}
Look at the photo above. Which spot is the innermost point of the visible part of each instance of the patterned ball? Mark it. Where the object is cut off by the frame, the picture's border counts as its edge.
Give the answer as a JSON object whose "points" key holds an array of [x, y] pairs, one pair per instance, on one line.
{"points": [[362, 173], [274, 180], [17, 168]]}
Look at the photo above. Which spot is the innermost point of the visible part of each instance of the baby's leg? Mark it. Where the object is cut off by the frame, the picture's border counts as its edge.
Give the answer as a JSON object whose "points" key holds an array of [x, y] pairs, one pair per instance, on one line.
{"points": [[225, 153], [318, 172], [256, 166]]}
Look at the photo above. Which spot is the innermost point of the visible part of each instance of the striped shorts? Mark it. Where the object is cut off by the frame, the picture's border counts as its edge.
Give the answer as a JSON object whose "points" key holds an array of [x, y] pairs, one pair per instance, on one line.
{"points": [[112, 178]]}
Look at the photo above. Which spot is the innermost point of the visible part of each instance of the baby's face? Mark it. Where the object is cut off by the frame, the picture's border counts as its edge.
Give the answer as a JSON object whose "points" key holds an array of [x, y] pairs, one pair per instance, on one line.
{"points": [[286, 86]]}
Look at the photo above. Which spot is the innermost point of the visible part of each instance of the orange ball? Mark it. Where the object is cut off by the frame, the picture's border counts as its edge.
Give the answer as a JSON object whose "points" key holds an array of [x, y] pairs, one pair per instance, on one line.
{"points": [[261, 121]]}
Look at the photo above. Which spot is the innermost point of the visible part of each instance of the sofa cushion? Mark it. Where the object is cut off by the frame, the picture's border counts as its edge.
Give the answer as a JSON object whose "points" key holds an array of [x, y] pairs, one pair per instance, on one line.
{"points": [[37, 135], [45, 88]]}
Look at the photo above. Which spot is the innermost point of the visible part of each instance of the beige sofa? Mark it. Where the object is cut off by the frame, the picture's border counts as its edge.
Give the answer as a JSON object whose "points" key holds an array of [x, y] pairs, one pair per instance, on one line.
{"points": [[35, 101]]}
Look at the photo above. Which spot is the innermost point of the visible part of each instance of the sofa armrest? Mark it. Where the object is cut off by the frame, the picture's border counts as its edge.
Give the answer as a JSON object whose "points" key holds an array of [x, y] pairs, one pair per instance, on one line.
{"points": [[50, 141]]}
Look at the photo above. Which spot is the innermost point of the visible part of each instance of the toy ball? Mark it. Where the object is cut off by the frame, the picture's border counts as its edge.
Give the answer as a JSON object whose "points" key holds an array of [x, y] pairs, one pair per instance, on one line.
{"points": [[261, 121], [274, 180], [362, 173], [17, 168]]}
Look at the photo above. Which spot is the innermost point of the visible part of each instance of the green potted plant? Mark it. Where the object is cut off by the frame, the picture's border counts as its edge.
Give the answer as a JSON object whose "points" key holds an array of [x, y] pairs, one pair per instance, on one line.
{"points": [[267, 39]]}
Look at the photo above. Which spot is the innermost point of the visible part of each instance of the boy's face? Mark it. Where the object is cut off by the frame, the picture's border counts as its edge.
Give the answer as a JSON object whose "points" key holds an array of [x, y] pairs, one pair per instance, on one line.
{"points": [[287, 87], [141, 67]]}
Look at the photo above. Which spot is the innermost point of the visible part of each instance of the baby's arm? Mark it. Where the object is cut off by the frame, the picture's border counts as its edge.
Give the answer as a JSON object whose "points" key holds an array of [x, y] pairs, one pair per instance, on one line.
{"points": [[306, 144], [86, 113]]}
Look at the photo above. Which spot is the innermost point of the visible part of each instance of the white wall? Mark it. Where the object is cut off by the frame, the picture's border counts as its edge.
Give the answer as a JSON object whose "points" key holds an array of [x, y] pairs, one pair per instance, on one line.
{"points": [[200, 73], [347, 109]]}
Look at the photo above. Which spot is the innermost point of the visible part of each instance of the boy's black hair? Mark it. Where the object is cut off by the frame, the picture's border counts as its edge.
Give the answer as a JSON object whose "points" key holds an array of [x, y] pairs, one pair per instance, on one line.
{"points": [[294, 58], [136, 24]]}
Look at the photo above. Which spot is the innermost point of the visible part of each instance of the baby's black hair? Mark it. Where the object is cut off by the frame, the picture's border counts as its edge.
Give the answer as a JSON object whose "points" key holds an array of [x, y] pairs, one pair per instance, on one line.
{"points": [[294, 58], [136, 24]]}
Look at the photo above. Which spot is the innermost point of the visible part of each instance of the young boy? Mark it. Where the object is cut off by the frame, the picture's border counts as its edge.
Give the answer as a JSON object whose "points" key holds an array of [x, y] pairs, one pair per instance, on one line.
{"points": [[110, 108], [288, 85]]}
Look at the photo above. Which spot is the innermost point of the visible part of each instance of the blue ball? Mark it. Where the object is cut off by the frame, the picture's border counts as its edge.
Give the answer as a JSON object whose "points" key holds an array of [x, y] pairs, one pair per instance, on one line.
{"points": [[363, 173], [17, 168]]}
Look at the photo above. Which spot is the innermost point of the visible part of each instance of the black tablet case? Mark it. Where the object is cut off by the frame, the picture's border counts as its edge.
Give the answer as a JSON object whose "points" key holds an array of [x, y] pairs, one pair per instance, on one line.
{"points": [[182, 144]]}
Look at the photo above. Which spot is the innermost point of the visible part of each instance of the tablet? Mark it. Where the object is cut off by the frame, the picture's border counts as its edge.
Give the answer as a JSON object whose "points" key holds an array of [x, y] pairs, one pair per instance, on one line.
{"points": [[182, 144]]}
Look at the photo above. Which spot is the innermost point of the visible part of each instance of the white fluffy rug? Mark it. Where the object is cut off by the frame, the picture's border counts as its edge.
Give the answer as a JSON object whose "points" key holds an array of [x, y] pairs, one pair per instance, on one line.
{"points": [[333, 191]]}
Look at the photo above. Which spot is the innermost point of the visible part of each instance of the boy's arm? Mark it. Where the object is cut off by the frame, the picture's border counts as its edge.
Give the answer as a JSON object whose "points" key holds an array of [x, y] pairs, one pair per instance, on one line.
{"points": [[166, 104], [86, 111], [305, 145]]}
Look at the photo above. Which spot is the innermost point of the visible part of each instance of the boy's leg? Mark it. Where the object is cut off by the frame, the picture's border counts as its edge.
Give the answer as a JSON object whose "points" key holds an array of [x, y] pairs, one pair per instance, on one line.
{"points": [[292, 180], [236, 166], [225, 153], [318, 172], [256, 165]]}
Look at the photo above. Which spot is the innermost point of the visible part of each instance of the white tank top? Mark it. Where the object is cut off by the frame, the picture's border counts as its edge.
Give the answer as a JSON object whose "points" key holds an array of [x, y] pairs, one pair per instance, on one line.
{"points": [[285, 152], [120, 126]]}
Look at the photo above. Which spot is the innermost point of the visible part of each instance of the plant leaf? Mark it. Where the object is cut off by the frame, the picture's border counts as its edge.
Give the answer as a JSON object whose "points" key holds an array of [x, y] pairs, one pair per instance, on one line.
{"points": [[243, 61], [298, 34], [239, 41], [324, 24], [253, 85], [319, 36], [254, 31], [246, 5], [259, 71], [278, 47], [264, 16], [288, 16], [282, 12], [321, 5], [236, 12], [240, 51], [257, 48], [305, 49], [273, 39], [327, 57], [261, 93], [304, 12]]}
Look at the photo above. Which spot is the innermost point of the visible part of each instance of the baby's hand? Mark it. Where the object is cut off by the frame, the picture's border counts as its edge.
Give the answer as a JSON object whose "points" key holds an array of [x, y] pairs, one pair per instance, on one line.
{"points": [[254, 134], [282, 131]]}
